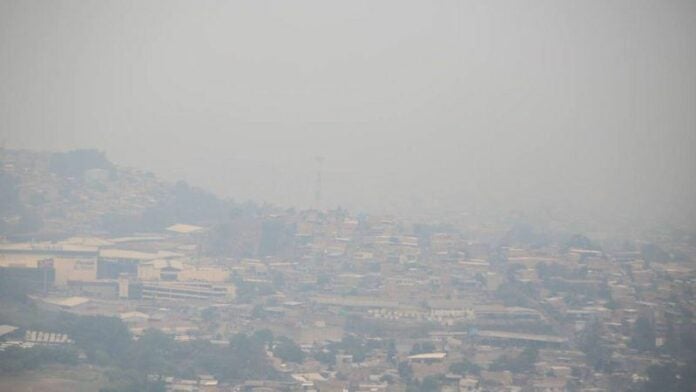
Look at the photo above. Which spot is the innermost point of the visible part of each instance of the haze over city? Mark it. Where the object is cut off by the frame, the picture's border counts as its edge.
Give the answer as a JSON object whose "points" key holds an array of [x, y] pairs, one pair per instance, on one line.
{"points": [[414, 106], [354, 196]]}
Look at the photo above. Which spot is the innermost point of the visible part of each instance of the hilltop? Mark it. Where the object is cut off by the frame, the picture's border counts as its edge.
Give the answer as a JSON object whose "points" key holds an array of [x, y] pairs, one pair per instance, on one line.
{"points": [[50, 195]]}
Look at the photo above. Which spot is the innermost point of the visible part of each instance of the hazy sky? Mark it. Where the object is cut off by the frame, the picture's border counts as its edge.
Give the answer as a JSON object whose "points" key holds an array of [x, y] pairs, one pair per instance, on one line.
{"points": [[423, 105]]}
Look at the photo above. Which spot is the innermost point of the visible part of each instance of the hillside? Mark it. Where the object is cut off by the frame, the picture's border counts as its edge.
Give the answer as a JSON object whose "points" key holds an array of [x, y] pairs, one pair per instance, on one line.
{"points": [[45, 195]]}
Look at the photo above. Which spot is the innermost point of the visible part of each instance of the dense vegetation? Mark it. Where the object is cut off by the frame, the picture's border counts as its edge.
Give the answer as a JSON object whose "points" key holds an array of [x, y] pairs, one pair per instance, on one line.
{"points": [[15, 359], [524, 362], [107, 343], [670, 378], [180, 203]]}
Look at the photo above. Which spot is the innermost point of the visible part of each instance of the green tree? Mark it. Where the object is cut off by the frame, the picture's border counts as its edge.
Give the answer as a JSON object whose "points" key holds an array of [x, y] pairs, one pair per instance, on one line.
{"points": [[643, 336], [96, 333], [464, 367], [423, 347], [524, 362], [431, 383], [405, 371], [152, 353], [670, 378], [391, 351], [595, 347], [265, 336], [355, 346], [16, 360], [287, 350]]}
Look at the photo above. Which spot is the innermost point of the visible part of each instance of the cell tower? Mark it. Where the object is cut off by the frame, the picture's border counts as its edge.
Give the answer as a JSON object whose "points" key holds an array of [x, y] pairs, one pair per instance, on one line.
{"points": [[317, 191]]}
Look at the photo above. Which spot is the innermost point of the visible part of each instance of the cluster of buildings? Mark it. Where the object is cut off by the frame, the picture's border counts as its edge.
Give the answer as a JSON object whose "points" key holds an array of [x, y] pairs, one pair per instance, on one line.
{"points": [[57, 202], [375, 280], [374, 303]]}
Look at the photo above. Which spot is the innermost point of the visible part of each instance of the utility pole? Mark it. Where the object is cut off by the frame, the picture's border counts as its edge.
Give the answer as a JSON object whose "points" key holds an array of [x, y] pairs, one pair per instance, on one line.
{"points": [[317, 192]]}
